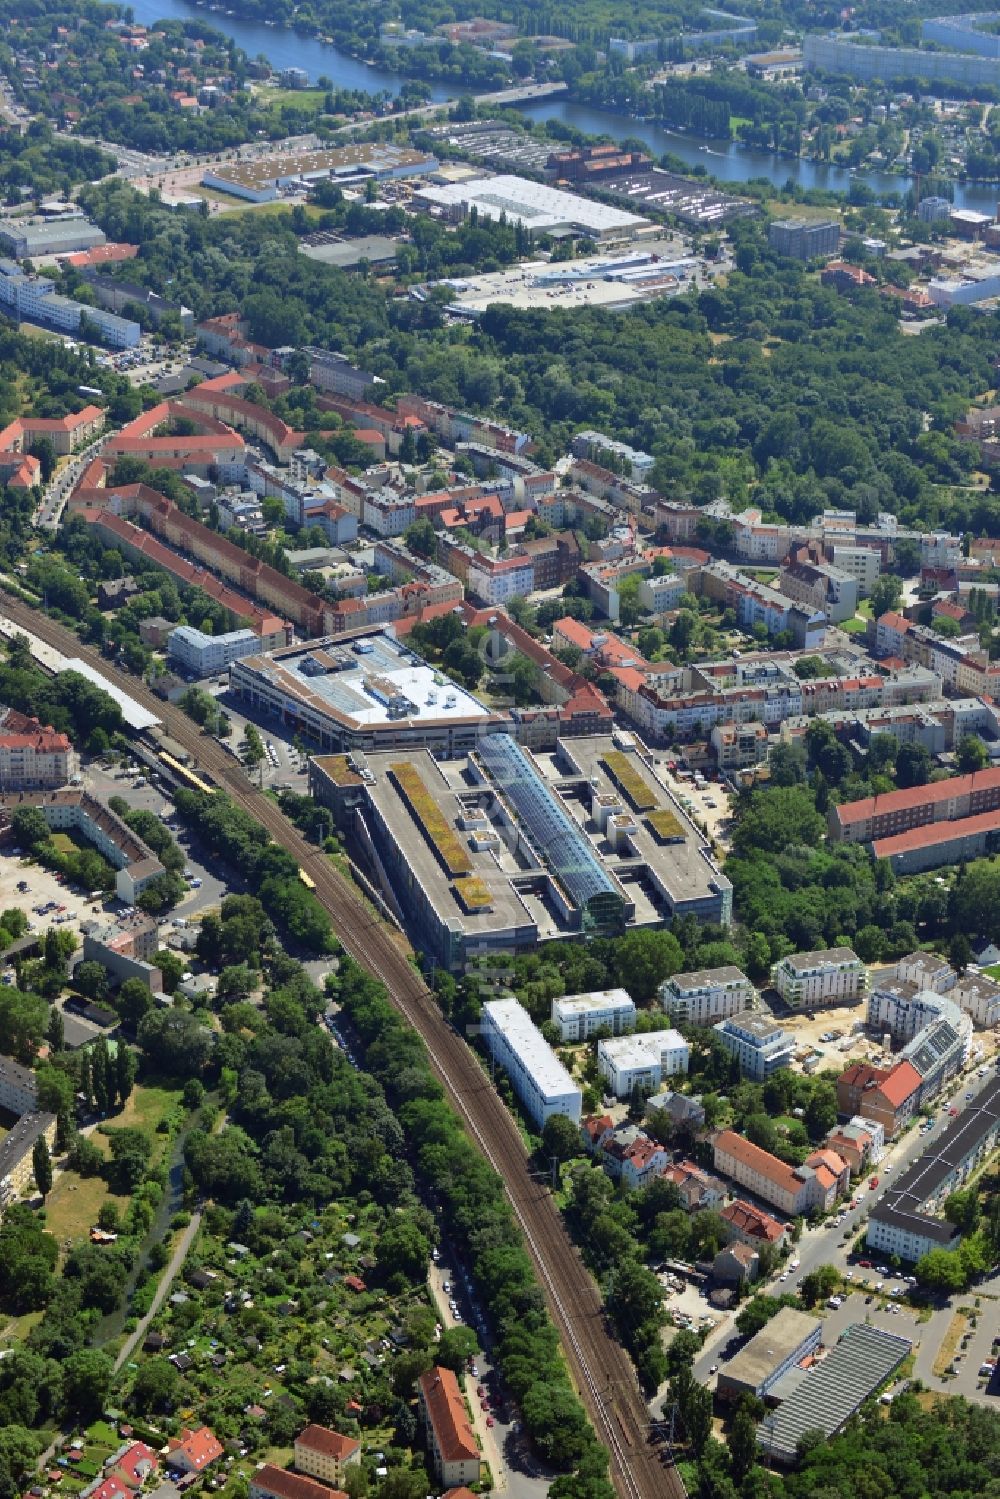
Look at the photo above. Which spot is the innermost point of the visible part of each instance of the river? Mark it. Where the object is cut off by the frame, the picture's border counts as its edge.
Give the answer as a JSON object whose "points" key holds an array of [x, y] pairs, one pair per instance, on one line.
{"points": [[723, 159]]}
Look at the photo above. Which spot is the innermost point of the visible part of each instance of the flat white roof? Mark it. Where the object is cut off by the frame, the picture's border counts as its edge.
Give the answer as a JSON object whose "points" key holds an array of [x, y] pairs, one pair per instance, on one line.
{"points": [[533, 204], [135, 715], [600, 999], [645, 1050], [528, 1044]]}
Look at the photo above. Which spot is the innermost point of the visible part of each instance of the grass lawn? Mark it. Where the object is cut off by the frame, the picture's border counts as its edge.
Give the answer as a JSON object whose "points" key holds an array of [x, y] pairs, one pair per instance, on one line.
{"points": [[73, 1205], [993, 971], [102, 1432], [148, 1104], [302, 98], [735, 121], [854, 626], [66, 843], [17, 1329]]}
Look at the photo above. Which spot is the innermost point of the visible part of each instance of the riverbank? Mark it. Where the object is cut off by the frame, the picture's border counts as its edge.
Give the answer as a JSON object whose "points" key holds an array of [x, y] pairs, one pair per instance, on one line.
{"points": [[728, 161]]}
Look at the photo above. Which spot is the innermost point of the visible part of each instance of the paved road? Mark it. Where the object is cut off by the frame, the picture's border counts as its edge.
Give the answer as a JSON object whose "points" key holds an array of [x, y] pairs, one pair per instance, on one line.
{"points": [[166, 1281], [516, 1471], [53, 502]]}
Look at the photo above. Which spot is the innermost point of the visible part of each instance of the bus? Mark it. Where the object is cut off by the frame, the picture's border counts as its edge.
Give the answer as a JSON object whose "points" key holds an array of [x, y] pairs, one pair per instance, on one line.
{"points": [[307, 879], [184, 775]]}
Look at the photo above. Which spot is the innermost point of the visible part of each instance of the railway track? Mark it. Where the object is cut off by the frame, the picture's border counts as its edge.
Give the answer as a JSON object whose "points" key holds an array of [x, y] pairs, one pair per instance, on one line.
{"points": [[601, 1370]]}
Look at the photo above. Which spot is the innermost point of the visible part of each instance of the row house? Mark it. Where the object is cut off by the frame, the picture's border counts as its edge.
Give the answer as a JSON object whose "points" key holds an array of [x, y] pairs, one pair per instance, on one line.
{"points": [[875, 817], [392, 426], [459, 427], [794, 1190]]}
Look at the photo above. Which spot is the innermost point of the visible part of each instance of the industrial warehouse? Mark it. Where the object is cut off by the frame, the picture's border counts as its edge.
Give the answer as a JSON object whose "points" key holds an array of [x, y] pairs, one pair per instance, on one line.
{"points": [[264, 180], [544, 209], [500, 849]]}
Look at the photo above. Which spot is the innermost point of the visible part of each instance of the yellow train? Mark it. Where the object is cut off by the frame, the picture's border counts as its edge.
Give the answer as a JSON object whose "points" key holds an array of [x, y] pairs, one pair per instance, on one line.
{"points": [[185, 775], [307, 879]]}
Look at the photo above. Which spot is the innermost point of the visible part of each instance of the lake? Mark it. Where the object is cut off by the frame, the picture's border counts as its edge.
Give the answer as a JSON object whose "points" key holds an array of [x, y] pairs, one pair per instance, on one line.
{"points": [[725, 160]]}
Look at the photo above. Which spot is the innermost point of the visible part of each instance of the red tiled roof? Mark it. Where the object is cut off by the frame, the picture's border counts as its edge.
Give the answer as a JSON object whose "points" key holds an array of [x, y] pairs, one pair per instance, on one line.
{"points": [[103, 255], [917, 796], [893, 621], [199, 1448], [753, 1221], [860, 1074], [285, 1485], [901, 1083], [933, 833], [756, 1159], [447, 1415], [137, 1463], [329, 1443]]}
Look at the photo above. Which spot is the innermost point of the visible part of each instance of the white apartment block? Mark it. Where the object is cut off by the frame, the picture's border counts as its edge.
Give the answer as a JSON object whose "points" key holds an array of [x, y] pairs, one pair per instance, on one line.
{"points": [[537, 1076], [18, 1088], [809, 980], [864, 564], [642, 1061], [206, 655], [580, 1016], [897, 1009], [662, 593], [498, 582], [706, 995], [387, 513], [758, 1043], [927, 971], [979, 997]]}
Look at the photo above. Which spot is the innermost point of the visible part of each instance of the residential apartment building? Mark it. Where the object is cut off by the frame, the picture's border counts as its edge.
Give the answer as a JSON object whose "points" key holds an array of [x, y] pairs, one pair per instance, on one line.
{"points": [[812, 980], [325, 1454], [706, 995], [793, 1190], [539, 1079], [750, 1225], [33, 299], [495, 581], [18, 1087], [854, 1144], [759, 1044], [126, 948], [580, 1016], [802, 239], [206, 655], [908, 1220], [939, 1050], [697, 1188], [888, 1096], [896, 812], [134, 861], [33, 757], [451, 1440], [16, 1152], [978, 997], [271, 1482], [630, 1062], [901, 1010], [821, 586]]}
